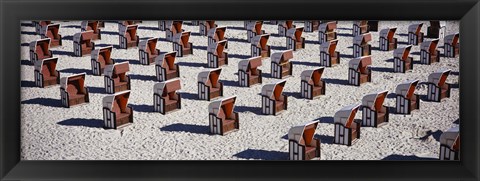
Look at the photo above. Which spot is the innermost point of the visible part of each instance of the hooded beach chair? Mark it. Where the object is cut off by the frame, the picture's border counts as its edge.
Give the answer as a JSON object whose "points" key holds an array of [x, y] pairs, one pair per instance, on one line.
{"points": [[402, 61], [301, 142], [452, 47], [92, 25], [217, 34], [311, 26], [116, 78], [206, 26], [436, 29], [51, 31], [254, 28], [283, 26], [181, 44], [273, 99], [248, 72], [294, 39], [347, 130], [100, 58], [415, 36], [165, 67], [165, 96], [281, 65], [359, 70], [326, 31], [73, 90], [40, 49], [406, 99], [221, 116], [39, 25], [450, 144], [216, 56], [437, 86], [328, 55], [387, 41], [259, 46], [311, 84], [82, 43], [174, 28], [128, 36], [374, 113], [209, 86], [429, 53], [116, 112], [148, 51], [46, 73], [360, 27], [361, 47]]}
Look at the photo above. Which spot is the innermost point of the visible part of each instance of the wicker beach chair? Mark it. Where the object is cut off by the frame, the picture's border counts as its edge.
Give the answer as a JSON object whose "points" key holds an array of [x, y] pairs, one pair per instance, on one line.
{"points": [[248, 72], [82, 43], [222, 117], [116, 113], [301, 142], [295, 40], [359, 70], [259, 46], [216, 56], [128, 36], [437, 86], [100, 58], [415, 36], [39, 50], [116, 78], [328, 55], [73, 91], [217, 34], [206, 26], [347, 130], [281, 66], [436, 29], [450, 144], [311, 26], [452, 46], [182, 45], [174, 28], [209, 86], [148, 51], [39, 25], [360, 27], [326, 31], [51, 31], [254, 28], [92, 25], [165, 96], [46, 73], [402, 61], [387, 41], [374, 113], [312, 85], [406, 99], [273, 100], [429, 52], [283, 26], [165, 67], [361, 47]]}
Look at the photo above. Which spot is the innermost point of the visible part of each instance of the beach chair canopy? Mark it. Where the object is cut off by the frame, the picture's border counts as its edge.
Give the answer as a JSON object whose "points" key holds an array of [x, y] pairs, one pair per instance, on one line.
{"points": [[261, 41], [149, 45], [77, 79], [250, 64], [450, 137], [274, 90], [346, 115], [295, 33], [166, 60], [51, 30], [167, 87], [218, 32], [452, 39], [182, 38], [430, 45], [360, 62], [217, 48], [406, 89], [313, 77], [42, 45], [402, 52], [223, 108], [255, 26], [329, 47], [46, 66], [303, 133], [388, 33], [117, 102], [362, 39], [439, 77], [82, 36], [103, 53], [210, 77], [375, 100], [415, 28], [282, 57], [116, 69], [328, 26]]}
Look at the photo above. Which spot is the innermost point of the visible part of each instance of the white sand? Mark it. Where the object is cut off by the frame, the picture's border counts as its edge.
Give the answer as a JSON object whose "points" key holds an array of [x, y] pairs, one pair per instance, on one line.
{"points": [[51, 132]]}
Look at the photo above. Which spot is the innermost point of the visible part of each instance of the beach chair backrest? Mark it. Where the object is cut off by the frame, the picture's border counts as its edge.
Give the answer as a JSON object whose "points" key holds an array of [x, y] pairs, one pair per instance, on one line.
{"points": [[258, 27], [184, 39], [169, 60], [263, 41]]}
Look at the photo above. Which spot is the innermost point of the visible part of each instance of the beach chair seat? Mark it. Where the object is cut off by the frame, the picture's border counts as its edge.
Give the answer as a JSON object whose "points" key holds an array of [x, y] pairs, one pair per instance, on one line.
{"points": [[437, 86], [283, 26], [94, 26], [302, 144], [374, 113], [436, 29], [429, 53], [73, 91], [147, 51], [415, 36], [311, 26], [281, 66], [165, 96], [52, 31], [312, 85], [181, 44], [294, 39], [387, 41], [173, 27], [259, 46], [217, 34], [116, 113], [222, 117], [209, 86], [347, 130], [39, 50], [452, 46], [254, 28], [116, 78], [328, 55], [100, 59], [248, 72], [450, 144], [216, 56], [359, 71], [45, 73], [326, 31], [402, 61], [82, 43], [205, 26], [406, 99], [273, 100], [361, 47], [360, 27]]}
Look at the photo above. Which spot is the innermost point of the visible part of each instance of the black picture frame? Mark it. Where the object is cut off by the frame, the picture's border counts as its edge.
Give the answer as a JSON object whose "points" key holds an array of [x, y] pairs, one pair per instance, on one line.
{"points": [[12, 12]]}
